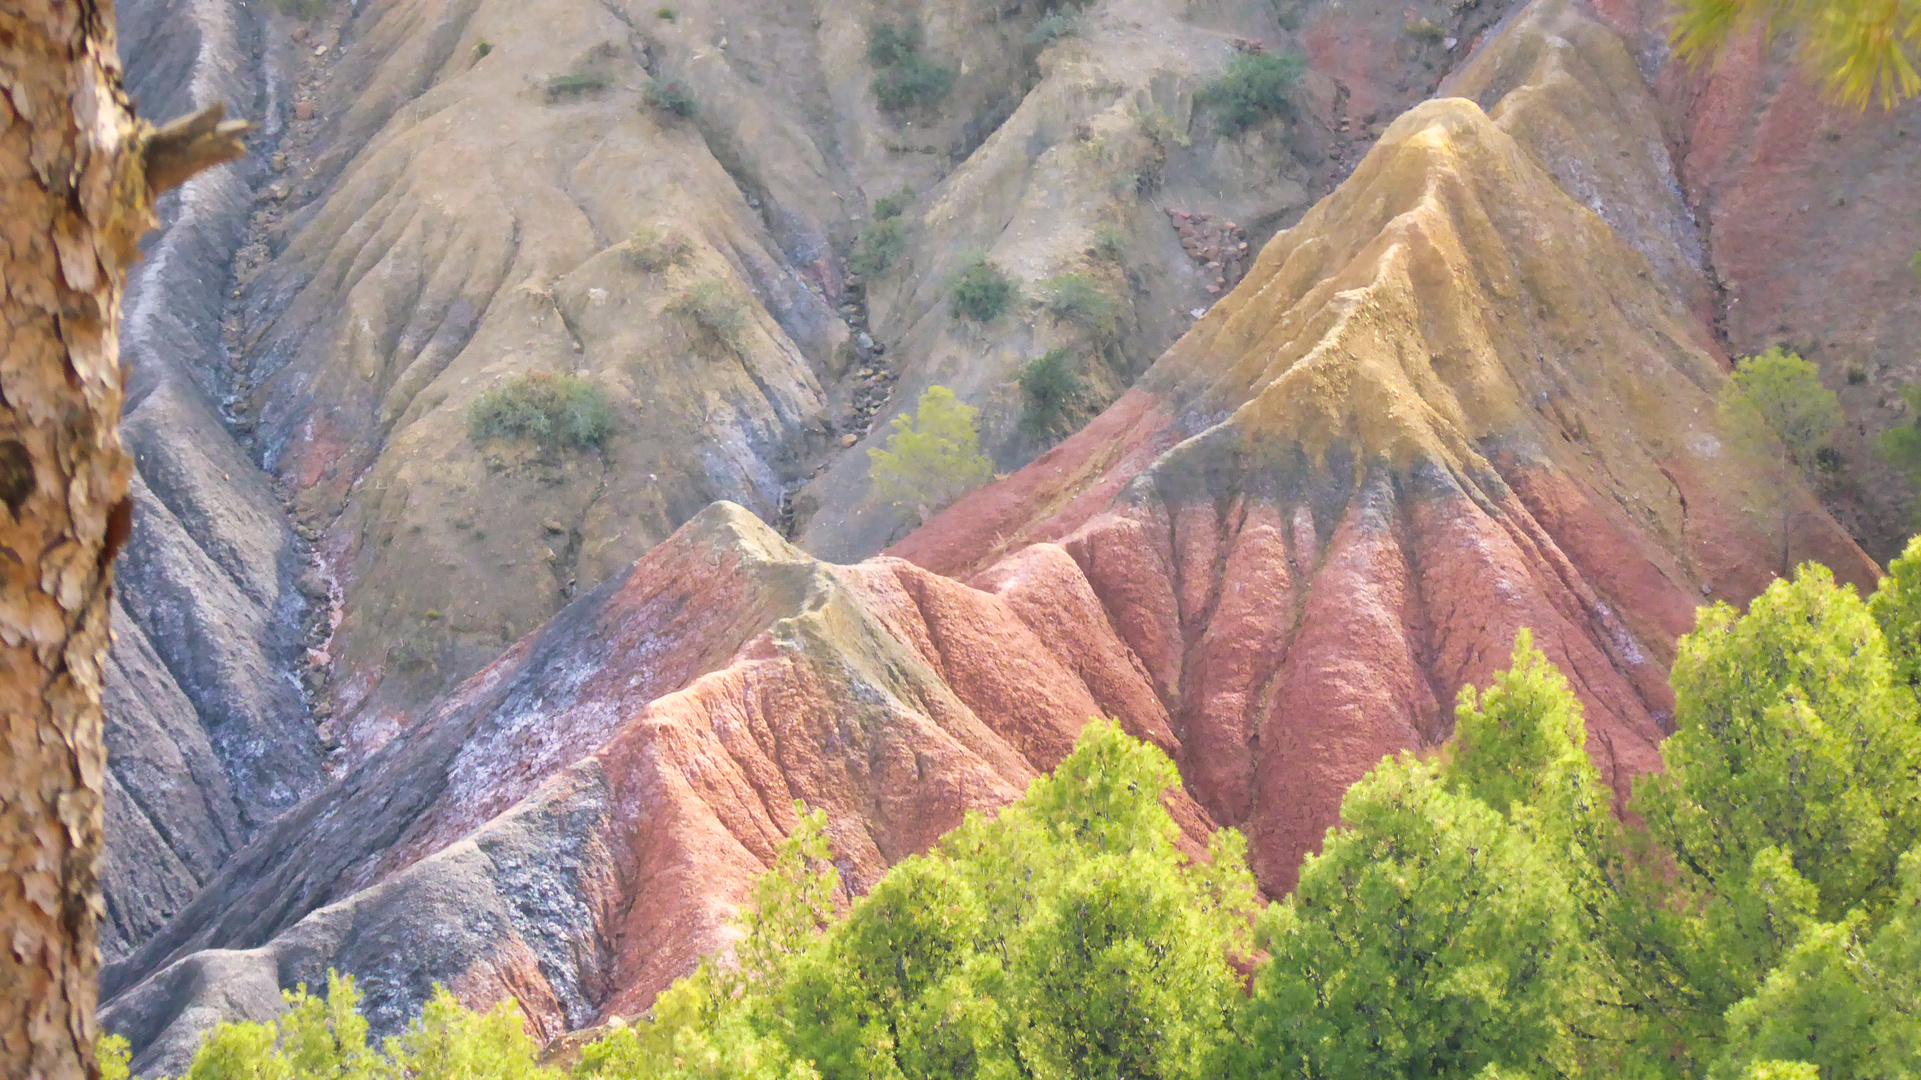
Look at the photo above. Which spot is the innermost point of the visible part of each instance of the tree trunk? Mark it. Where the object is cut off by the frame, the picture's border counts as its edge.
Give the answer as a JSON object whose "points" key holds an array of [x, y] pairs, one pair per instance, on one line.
{"points": [[78, 176]]}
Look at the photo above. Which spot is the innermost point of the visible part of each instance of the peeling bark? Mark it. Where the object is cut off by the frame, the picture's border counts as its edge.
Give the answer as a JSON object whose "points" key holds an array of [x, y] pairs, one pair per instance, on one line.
{"points": [[78, 178]]}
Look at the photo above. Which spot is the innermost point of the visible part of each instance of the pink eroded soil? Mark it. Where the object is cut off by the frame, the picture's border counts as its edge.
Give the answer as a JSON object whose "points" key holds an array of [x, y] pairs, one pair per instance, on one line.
{"points": [[1289, 663]]}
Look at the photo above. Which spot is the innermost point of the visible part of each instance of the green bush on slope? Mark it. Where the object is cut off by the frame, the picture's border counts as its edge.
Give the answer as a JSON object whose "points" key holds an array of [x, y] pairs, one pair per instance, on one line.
{"points": [[551, 411], [983, 291], [903, 78], [1253, 90]]}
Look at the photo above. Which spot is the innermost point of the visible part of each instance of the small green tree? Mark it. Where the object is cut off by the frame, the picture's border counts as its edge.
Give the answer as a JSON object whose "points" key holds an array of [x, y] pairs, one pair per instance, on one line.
{"points": [[1787, 799], [671, 96], [932, 458], [1777, 412], [114, 1054]]}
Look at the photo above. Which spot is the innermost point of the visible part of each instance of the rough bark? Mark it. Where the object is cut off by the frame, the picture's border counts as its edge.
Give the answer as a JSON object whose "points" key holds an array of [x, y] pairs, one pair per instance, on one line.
{"points": [[78, 177]]}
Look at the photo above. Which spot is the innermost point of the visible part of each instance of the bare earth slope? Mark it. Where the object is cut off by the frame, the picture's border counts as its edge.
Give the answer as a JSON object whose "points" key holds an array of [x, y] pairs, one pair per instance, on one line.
{"points": [[1469, 391]]}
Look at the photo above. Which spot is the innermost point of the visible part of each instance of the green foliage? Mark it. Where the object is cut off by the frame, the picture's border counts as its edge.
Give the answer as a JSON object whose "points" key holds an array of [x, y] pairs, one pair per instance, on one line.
{"points": [[1775, 404], [932, 457], [1510, 741], [890, 43], [893, 206], [716, 311], [114, 1055], [1052, 394], [1901, 444], [1253, 90], [877, 246], [1078, 299], [1051, 28], [1791, 735], [665, 14], [326, 1037], [883, 240], [552, 411], [914, 83], [903, 78], [1787, 801], [654, 250], [575, 84], [672, 97], [1843, 1000], [1896, 607], [1109, 242], [1776, 411], [791, 903], [983, 291], [1431, 937], [1860, 52]]}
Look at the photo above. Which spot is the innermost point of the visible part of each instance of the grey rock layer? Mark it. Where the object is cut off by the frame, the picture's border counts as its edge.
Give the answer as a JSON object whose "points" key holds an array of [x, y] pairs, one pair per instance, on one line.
{"points": [[208, 734]]}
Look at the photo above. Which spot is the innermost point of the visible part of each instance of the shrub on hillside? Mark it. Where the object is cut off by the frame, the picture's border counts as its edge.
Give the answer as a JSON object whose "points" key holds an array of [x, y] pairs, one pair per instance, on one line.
{"points": [[576, 84], [715, 309], [932, 457], [1110, 243], [1901, 444], [883, 240], [1079, 300], [893, 206], [1051, 392], [877, 246], [552, 411], [1052, 27], [654, 250], [983, 291], [890, 43], [903, 78], [914, 83], [1252, 90], [670, 96]]}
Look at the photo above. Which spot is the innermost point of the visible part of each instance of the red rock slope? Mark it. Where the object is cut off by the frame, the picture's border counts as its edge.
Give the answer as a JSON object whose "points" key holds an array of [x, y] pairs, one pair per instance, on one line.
{"points": [[1467, 394]]}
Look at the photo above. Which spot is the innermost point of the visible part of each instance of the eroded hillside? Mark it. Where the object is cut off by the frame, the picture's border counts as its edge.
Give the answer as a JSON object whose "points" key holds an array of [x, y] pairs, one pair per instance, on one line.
{"points": [[473, 192], [1469, 390]]}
